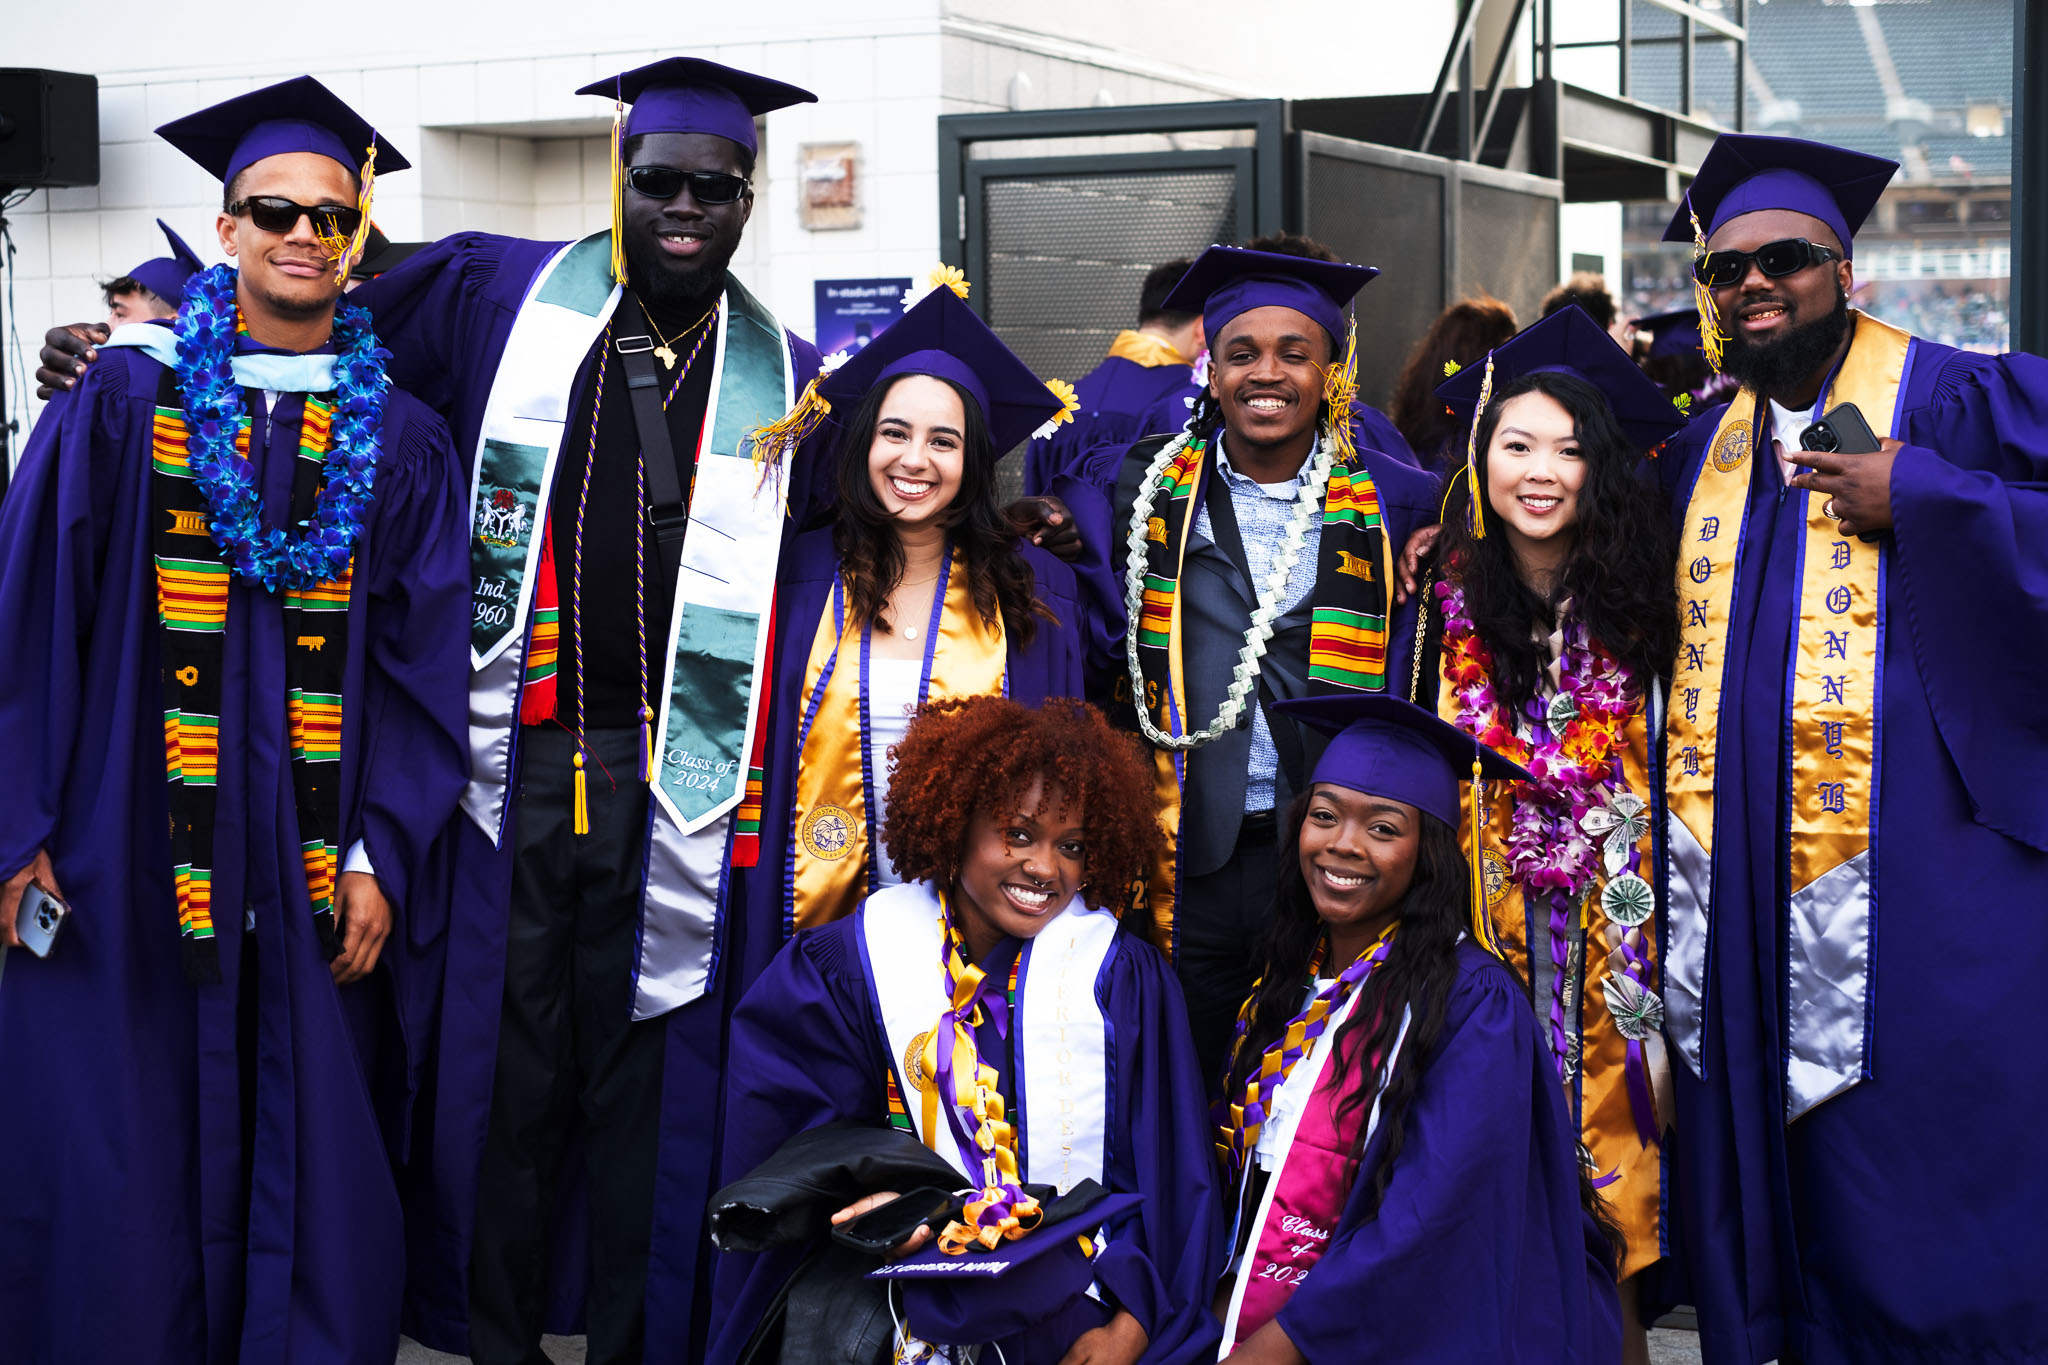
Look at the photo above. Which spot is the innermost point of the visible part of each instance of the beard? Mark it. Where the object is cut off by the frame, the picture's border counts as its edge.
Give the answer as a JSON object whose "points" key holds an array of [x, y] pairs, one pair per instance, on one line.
{"points": [[666, 285], [1782, 366]]}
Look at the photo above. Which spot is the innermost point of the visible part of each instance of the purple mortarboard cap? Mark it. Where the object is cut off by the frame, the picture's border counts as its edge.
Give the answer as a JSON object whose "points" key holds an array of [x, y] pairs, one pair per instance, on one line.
{"points": [[982, 1296], [1672, 333], [942, 337], [1225, 281], [1384, 746], [691, 95], [165, 276], [1570, 342], [298, 115], [1747, 172]]}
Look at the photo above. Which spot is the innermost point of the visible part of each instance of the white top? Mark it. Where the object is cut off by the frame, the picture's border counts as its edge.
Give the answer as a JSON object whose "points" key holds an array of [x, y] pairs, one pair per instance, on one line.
{"points": [[1787, 427], [892, 696], [1290, 1098]]}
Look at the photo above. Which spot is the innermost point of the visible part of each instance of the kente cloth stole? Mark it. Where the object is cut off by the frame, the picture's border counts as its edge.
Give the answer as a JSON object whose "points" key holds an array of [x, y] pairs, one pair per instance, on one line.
{"points": [[1347, 640], [192, 612], [829, 864], [1831, 720], [1309, 1186]]}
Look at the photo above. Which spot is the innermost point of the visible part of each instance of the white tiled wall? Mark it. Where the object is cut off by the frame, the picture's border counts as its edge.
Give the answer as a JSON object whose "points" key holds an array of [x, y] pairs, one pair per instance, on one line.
{"points": [[501, 142]]}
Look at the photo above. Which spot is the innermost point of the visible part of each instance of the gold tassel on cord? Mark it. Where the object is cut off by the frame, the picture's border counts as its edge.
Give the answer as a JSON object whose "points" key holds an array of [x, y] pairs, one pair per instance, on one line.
{"points": [[1340, 391], [1472, 452], [346, 251], [618, 191], [788, 431], [1482, 922], [1712, 338], [646, 744], [582, 825]]}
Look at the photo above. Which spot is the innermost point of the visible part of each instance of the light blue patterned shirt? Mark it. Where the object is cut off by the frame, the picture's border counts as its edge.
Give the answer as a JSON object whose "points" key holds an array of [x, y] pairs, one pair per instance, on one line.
{"points": [[1263, 511]]}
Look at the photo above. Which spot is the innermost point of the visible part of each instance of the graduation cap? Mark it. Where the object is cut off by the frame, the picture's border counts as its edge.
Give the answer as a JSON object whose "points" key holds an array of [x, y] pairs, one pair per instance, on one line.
{"points": [[165, 276], [1225, 281], [942, 337], [1672, 333], [1568, 342], [298, 115], [1748, 172], [1384, 746], [973, 1297], [683, 95], [691, 95]]}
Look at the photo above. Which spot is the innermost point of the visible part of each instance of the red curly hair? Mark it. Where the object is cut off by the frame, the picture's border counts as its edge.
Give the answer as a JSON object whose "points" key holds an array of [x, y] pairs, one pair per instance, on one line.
{"points": [[982, 753]]}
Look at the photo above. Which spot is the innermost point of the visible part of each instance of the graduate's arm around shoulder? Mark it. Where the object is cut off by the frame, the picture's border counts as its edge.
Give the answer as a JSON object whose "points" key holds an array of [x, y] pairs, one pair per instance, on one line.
{"points": [[57, 521]]}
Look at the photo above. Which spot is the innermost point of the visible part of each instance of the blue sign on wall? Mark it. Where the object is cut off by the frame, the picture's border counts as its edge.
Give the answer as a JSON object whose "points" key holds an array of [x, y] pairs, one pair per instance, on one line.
{"points": [[851, 313]]}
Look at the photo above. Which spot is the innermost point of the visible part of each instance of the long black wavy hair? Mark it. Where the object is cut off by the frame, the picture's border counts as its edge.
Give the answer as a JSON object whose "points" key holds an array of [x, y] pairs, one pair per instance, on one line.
{"points": [[865, 535], [1619, 574], [1414, 981]]}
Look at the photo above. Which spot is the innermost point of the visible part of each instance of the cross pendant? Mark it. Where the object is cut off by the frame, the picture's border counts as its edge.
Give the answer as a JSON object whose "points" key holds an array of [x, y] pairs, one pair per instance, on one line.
{"points": [[668, 357]]}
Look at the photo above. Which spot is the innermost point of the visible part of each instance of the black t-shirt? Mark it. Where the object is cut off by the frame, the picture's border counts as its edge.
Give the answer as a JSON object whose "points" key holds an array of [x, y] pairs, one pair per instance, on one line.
{"points": [[608, 632]]}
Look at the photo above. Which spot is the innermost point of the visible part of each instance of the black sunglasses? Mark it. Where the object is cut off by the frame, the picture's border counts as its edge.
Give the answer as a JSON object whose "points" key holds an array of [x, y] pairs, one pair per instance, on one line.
{"points": [[1718, 269], [282, 215], [706, 187]]}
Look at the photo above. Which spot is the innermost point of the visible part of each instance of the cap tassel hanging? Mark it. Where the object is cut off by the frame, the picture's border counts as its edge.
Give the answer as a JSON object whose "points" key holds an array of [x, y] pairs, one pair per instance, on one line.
{"points": [[1712, 338], [346, 251], [787, 432], [1482, 921], [1472, 452], [1340, 392], [619, 191]]}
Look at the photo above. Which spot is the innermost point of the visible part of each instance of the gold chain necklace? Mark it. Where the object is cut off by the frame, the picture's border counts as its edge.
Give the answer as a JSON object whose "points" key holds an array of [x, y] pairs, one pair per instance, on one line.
{"points": [[667, 350]]}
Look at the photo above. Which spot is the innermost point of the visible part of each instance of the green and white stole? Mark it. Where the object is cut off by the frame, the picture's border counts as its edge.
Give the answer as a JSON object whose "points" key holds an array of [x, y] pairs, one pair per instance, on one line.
{"points": [[1347, 649], [1831, 723], [192, 611], [717, 636]]}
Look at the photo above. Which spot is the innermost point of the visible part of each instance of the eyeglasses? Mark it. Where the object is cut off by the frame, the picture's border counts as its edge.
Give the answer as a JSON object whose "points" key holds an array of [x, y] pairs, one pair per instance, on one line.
{"points": [[1719, 269], [706, 187], [282, 215]]}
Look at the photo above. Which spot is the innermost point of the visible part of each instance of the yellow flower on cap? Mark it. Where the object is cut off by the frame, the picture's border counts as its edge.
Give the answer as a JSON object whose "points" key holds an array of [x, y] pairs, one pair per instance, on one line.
{"points": [[1070, 403]]}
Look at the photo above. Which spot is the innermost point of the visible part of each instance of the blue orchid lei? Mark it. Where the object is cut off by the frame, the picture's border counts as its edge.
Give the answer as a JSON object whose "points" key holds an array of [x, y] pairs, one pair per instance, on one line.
{"points": [[214, 412]]}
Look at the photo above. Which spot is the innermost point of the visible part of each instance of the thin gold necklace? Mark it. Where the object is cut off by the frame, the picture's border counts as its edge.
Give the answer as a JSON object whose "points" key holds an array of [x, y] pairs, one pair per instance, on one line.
{"points": [[666, 351]]}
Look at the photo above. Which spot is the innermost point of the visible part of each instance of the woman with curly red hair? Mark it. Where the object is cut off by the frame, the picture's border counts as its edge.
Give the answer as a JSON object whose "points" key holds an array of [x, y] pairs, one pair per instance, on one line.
{"points": [[993, 1005]]}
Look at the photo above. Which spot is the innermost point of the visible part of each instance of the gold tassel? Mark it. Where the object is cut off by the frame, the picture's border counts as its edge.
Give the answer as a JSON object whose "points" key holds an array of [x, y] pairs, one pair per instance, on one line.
{"points": [[788, 431], [1472, 452], [1482, 923], [1340, 391], [646, 744], [582, 797], [1712, 338], [618, 191], [346, 251]]}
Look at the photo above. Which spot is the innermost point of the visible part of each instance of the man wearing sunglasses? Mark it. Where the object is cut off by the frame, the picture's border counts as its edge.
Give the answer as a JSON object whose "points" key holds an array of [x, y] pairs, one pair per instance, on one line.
{"points": [[232, 589], [1856, 834]]}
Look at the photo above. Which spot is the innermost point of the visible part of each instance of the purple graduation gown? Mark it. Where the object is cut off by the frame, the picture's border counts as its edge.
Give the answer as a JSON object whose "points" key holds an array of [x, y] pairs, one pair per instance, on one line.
{"points": [[680, 1263], [1115, 397], [445, 314], [1896, 1221], [131, 1229], [1481, 1250], [808, 1048]]}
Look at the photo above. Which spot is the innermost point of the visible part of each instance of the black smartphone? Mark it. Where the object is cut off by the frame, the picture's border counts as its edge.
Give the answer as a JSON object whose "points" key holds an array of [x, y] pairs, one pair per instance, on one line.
{"points": [[1841, 431], [881, 1230]]}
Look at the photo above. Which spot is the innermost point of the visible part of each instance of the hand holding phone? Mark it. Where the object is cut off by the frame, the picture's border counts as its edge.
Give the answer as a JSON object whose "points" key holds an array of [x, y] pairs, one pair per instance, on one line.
{"points": [[1848, 465], [27, 900]]}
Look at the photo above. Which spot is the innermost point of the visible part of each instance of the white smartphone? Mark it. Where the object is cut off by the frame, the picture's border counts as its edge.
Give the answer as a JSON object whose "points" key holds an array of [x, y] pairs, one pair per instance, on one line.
{"points": [[39, 919]]}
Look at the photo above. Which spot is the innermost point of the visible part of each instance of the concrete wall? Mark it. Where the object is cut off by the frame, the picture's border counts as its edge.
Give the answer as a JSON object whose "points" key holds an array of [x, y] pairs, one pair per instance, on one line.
{"points": [[481, 99]]}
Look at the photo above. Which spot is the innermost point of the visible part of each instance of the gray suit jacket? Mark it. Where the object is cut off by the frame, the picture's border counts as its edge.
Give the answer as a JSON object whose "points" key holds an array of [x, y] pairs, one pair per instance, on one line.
{"points": [[1216, 612]]}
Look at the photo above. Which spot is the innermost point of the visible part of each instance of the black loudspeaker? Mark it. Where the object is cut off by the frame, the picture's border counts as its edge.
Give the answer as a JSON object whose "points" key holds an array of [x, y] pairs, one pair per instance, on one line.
{"points": [[49, 128]]}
